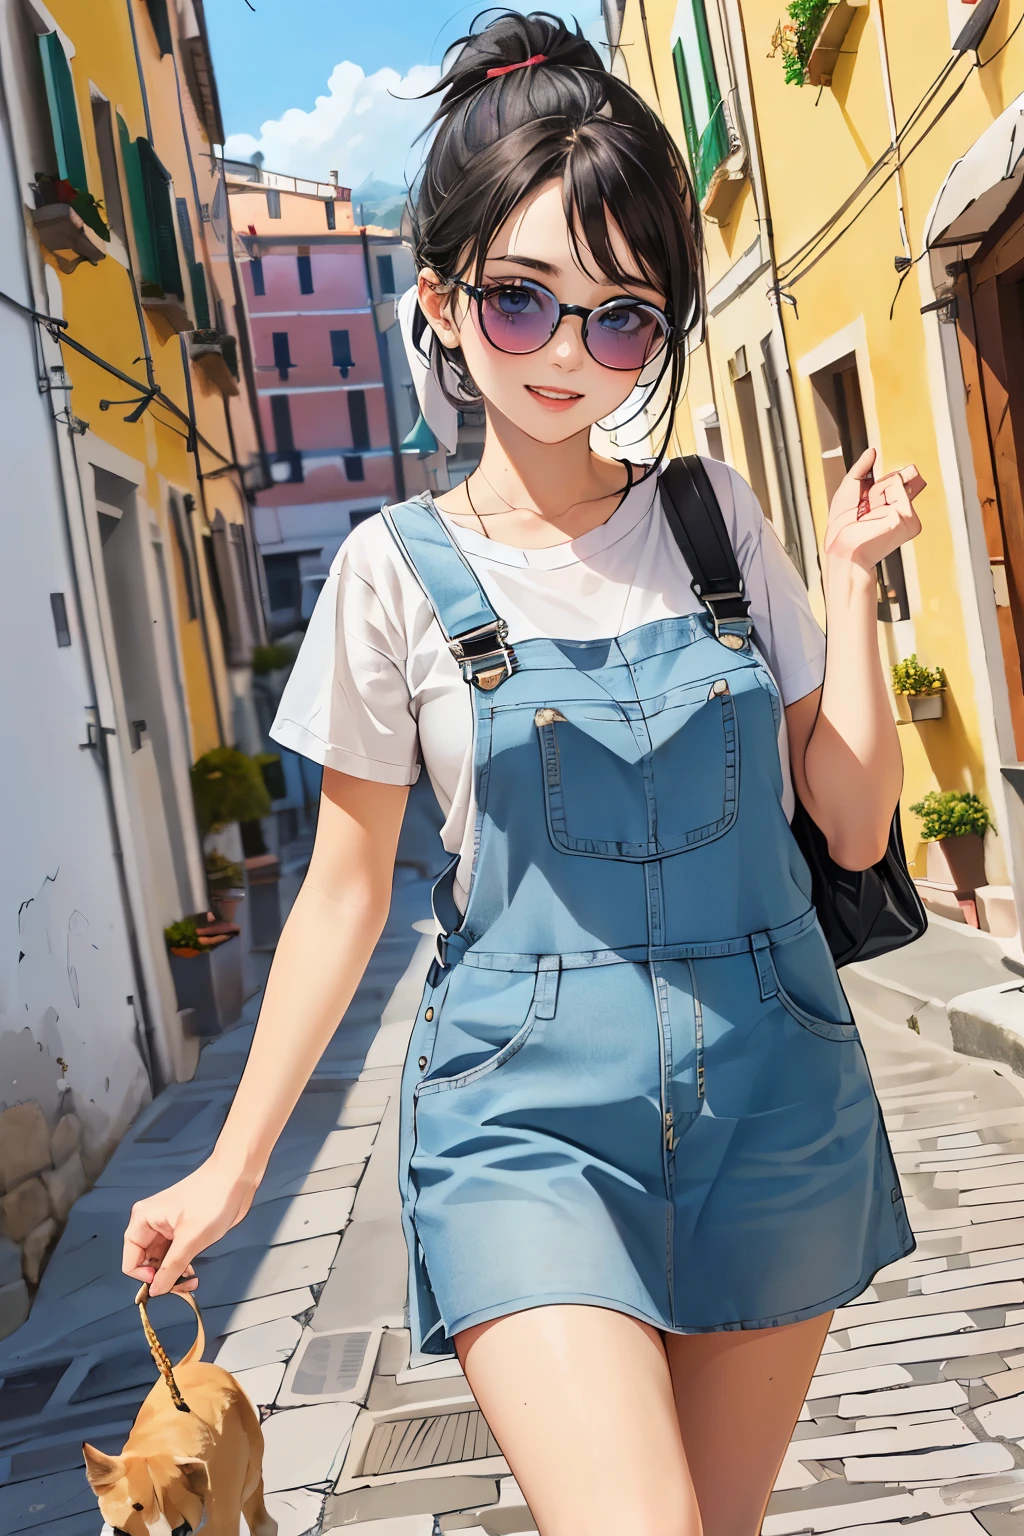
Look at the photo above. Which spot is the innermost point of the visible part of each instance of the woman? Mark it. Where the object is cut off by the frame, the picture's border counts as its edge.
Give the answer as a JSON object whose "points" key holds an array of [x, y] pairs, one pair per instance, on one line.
{"points": [[641, 1157]]}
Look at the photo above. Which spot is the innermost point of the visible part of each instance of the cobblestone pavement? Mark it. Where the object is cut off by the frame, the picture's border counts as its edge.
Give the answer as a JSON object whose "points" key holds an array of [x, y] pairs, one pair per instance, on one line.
{"points": [[916, 1411]]}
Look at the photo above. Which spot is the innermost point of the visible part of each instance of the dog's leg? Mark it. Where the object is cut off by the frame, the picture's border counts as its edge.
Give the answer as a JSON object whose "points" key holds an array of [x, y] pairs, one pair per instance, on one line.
{"points": [[257, 1517]]}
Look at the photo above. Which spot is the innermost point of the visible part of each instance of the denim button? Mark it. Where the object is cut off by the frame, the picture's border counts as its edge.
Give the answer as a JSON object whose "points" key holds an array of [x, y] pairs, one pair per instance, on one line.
{"points": [[429, 1015], [423, 1062]]}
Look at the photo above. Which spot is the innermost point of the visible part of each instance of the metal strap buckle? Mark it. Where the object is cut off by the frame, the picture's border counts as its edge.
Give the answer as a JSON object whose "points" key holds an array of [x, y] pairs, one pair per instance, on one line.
{"points": [[729, 638], [477, 651]]}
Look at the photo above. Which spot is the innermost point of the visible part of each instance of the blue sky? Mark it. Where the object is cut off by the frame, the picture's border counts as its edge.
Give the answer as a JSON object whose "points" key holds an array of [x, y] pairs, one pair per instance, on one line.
{"points": [[321, 85]]}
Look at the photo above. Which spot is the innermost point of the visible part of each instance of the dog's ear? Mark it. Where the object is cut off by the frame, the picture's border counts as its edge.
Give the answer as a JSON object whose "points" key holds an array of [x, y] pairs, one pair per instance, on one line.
{"points": [[103, 1471], [182, 1485]]}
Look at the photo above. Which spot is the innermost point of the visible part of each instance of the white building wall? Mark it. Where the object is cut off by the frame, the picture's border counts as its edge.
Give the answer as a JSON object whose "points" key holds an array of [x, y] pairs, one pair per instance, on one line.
{"points": [[70, 1014]]}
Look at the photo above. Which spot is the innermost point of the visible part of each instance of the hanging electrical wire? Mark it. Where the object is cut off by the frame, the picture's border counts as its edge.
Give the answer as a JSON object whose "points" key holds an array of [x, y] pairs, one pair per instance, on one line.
{"points": [[796, 266]]}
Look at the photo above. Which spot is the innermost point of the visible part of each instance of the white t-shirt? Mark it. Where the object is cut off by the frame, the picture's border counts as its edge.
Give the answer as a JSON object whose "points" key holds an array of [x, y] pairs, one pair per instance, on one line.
{"points": [[375, 691]]}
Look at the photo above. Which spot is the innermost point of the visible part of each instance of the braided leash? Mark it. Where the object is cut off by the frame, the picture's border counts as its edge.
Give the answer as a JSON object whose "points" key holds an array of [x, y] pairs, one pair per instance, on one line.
{"points": [[158, 1352]]}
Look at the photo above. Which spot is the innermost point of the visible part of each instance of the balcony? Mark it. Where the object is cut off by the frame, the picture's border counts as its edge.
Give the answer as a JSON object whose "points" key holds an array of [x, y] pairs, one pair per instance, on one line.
{"points": [[168, 309], [721, 166], [216, 353], [64, 234], [827, 46]]}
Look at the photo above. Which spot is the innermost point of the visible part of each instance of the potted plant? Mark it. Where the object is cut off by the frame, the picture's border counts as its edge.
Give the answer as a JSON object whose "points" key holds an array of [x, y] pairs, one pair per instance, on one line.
{"points": [[794, 39], [956, 822], [207, 972], [51, 190], [922, 687], [228, 786], [226, 881]]}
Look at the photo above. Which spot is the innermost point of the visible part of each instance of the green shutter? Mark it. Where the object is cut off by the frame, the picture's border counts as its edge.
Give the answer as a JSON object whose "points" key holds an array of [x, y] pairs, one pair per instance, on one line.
{"points": [[149, 271], [686, 102], [156, 184], [707, 58], [200, 299], [161, 25], [60, 98]]}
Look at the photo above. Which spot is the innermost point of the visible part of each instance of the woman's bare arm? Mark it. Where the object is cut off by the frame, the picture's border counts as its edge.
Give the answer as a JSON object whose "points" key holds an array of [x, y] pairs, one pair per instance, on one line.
{"points": [[324, 947], [847, 764]]}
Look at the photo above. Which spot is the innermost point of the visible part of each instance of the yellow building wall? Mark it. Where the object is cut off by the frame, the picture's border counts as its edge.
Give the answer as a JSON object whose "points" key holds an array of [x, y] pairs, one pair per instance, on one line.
{"points": [[101, 313], [817, 145]]}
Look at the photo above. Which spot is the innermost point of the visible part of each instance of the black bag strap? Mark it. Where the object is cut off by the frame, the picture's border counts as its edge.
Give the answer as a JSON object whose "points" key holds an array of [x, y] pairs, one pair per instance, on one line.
{"points": [[698, 527]]}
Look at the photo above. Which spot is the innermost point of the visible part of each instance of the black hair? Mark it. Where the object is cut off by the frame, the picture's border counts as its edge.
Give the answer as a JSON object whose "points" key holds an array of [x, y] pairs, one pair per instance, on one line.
{"points": [[499, 139]]}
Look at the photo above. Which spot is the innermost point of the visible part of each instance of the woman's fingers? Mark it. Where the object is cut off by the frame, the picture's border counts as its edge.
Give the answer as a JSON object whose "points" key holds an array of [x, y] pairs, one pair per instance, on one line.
{"points": [[175, 1268]]}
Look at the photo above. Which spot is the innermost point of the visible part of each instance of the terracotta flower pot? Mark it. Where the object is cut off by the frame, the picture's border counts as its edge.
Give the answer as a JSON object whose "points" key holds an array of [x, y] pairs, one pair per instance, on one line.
{"points": [[965, 857], [226, 904]]}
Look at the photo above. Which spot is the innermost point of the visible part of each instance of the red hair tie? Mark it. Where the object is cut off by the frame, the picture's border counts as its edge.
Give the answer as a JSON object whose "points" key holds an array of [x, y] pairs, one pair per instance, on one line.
{"points": [[504, 69]]}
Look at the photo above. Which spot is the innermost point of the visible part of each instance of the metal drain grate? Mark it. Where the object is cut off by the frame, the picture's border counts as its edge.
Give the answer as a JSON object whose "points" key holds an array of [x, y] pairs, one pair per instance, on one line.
{"points": [[433, 1440], [330, 1364]]}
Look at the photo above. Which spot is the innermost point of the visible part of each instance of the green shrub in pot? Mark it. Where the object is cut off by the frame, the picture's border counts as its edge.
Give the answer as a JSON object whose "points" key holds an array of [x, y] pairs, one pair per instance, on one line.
{"points": [[957, 821], [227, 786], [910, 677]]}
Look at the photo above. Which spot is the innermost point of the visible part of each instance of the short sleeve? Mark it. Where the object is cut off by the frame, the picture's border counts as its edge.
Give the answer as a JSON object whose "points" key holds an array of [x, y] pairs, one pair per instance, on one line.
{"points": [[785, 627], [346, 704]]}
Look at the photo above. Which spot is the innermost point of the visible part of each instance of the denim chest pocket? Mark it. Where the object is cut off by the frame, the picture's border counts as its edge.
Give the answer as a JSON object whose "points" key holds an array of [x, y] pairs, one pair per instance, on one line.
{"points": [[485, 1019], [637, 785]]}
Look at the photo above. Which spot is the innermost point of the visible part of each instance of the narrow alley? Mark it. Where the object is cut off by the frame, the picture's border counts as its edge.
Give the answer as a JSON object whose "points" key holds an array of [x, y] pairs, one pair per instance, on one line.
{"points": [[916, 1411]]}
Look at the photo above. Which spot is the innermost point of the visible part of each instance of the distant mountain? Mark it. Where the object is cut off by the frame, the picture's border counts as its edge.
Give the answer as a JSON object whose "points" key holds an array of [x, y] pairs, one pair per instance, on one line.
{"points": [[382, 202]]}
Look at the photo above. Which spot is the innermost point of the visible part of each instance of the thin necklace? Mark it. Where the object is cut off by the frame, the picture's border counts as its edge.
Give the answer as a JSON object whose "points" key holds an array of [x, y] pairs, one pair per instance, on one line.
{"points": [[515, 507]]}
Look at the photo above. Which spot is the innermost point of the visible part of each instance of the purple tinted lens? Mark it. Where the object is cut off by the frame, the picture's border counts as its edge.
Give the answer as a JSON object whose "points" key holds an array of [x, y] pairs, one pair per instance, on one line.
{"points": [[626, 336], [518, 319]]}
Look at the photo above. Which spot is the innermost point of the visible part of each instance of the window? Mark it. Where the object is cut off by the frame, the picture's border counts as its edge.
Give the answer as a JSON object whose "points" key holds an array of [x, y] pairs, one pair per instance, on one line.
{"points": [[360, 516], [273, 203], [284, 441], [746, 409], [707, 134], [103, 126], [161, 24], [282, 355], [284, 588], [358, 420], [839, 409], [354, 467], [341, 352], [329, 210], [281, 416], [196, 271], [305, 272], [59, 609], [259, 282], [153, 219], [386, 274]]}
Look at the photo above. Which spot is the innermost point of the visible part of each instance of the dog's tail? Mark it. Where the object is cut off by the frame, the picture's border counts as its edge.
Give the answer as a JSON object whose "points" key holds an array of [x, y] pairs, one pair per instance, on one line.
{"points": [[196, 1352], [158, 1352]]}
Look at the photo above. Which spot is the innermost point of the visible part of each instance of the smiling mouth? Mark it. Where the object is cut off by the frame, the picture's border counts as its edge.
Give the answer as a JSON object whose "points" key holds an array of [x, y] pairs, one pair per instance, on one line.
{"points": [[553, 396]]}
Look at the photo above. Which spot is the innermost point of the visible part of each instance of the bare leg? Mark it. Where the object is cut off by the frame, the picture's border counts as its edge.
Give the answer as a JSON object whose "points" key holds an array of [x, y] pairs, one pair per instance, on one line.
{"points": [[580, 1400], [738, 1396]]}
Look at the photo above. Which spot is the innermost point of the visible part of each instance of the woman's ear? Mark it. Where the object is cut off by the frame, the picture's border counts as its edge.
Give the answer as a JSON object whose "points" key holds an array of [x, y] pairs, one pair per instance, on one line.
{"points": [[435, 299]]}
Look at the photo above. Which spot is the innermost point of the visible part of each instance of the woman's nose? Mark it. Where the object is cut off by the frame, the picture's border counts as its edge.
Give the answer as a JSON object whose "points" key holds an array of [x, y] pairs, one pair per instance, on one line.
{"points": [[568, 344]]}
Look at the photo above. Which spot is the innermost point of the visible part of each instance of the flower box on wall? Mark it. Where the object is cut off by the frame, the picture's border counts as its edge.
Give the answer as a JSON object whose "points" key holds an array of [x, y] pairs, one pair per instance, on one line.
{"points": [[210, 984], [168, 310], [926, 706], [824, 55], [216, 353], [61, 229]]}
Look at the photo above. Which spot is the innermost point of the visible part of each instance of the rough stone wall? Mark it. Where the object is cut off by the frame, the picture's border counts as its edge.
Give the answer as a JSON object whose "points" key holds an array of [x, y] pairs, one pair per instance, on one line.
{"points": [[42, 1174]]}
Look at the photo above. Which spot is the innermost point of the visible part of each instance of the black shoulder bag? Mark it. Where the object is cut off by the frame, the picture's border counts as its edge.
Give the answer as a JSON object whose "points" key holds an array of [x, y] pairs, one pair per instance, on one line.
{"points": [[863, 913]]}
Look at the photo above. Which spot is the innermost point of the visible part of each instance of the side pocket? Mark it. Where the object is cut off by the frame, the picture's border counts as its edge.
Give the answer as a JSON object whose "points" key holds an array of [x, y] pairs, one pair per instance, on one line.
{"points": [[496, 1010], [828, 1029]]}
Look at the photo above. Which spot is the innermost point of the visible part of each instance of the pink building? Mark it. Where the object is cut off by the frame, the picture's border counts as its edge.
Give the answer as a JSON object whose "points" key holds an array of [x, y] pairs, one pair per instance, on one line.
{"points": [[335, 394]]}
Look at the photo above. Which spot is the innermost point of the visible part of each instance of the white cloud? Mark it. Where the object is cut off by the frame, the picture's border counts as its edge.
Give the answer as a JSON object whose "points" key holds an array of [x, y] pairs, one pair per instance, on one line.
{"points": [[365, 125]]}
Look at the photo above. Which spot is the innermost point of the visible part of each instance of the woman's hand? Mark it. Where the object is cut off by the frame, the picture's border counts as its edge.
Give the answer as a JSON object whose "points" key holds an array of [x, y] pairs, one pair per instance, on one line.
{"points": [[868, 519], [169, 1229]]}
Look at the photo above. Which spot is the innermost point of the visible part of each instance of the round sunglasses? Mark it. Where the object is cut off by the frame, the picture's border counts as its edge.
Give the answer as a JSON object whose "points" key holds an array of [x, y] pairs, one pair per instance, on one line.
{"points": [[522, 317]]}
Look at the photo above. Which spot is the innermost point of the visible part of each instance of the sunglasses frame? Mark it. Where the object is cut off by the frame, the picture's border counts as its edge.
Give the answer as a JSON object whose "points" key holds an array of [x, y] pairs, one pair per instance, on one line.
{"points": [[480, 292]]}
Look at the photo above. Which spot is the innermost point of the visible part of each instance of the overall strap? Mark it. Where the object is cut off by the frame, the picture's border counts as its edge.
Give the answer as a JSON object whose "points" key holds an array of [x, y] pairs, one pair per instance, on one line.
{"points": [[698, 527], [476, 637]]}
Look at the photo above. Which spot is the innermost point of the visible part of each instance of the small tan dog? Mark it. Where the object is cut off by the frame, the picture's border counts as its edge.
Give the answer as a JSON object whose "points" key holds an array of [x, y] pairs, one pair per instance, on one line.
{"points": [[190, 1460]]}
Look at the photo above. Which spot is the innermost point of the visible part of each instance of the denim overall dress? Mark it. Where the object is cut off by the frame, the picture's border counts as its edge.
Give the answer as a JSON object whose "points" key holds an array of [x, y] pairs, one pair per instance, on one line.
{"points": [[633, 1080]]}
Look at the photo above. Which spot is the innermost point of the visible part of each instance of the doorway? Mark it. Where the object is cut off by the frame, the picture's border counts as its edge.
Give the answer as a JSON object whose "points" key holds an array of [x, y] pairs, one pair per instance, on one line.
{"points": [[153, 716]]}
